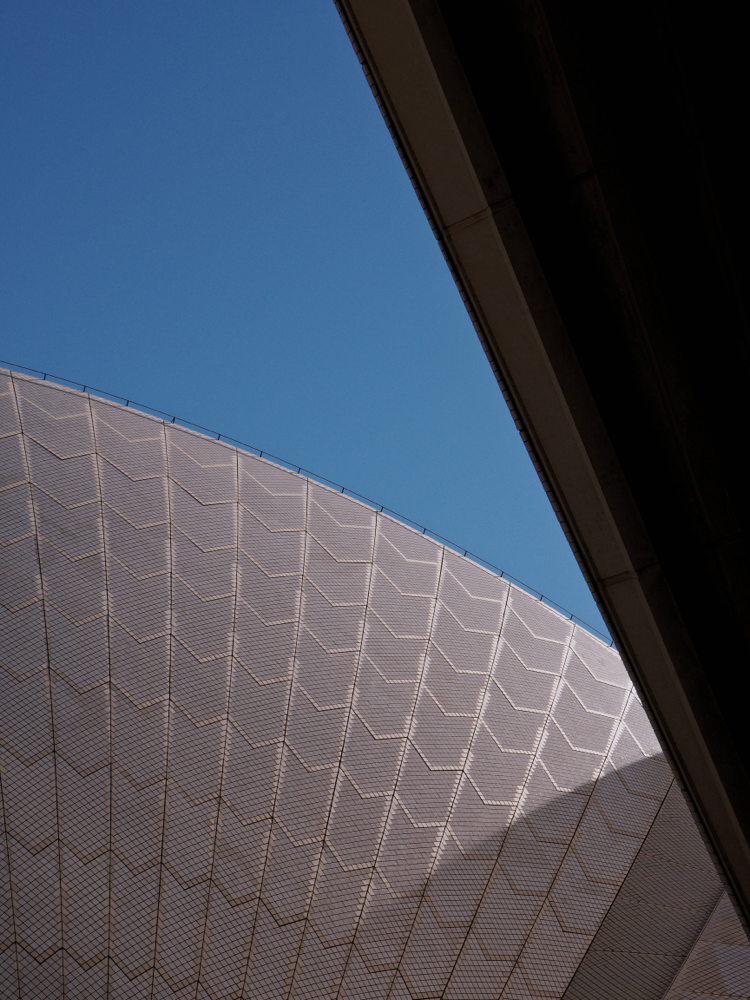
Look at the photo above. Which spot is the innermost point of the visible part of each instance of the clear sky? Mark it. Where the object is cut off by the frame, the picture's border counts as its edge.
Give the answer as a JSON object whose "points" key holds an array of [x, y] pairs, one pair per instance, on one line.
{"points": [[203, 210]]}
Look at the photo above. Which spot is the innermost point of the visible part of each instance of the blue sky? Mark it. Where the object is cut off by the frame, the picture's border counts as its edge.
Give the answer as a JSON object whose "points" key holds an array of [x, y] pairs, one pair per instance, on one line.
{"points": [[203, 211]]}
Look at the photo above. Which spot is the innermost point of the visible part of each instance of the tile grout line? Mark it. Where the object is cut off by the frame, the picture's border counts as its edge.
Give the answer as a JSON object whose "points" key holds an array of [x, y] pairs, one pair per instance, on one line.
{"points": [[282, 750], [109, 696], [456, 790], [14, 921], [226, 721], [517, 963], [402, 758], [341, 753], [49, 687], [168, 712]]}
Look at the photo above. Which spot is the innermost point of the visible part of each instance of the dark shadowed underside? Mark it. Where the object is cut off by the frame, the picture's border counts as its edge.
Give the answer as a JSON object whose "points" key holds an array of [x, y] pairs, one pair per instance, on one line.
{"points": [[583, 166]]}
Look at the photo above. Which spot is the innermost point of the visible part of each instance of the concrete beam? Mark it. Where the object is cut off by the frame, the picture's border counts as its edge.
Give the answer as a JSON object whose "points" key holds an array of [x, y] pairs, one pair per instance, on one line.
{"points": [[420, 74]]}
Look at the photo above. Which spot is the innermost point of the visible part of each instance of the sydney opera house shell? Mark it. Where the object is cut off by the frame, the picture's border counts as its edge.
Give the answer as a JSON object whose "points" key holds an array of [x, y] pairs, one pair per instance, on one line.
{"points": [[260, 740]]}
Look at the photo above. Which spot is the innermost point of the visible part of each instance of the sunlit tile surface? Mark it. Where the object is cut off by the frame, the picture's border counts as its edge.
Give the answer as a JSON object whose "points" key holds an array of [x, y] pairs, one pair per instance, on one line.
{"points": [[258, 740]]}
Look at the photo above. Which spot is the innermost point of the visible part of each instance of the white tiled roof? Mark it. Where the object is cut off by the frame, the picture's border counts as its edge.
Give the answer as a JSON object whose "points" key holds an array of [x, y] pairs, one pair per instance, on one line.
{"points": [[259, 740]]}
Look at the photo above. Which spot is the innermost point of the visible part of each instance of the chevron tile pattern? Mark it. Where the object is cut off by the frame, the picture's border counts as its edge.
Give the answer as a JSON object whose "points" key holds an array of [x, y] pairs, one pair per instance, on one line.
{"points": [[259, 740]]}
